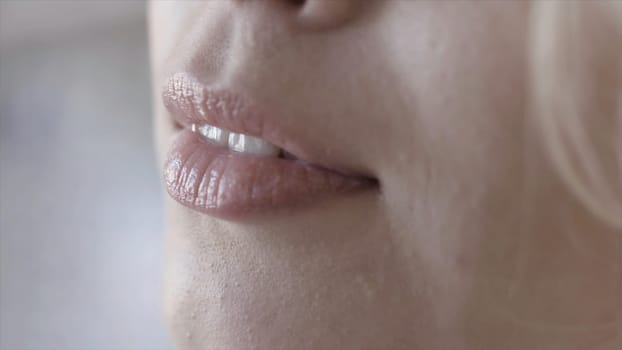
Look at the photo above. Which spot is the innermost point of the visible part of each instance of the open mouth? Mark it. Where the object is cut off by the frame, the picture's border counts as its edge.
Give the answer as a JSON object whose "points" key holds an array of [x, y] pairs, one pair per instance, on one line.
{"points": [[240, 143], [229, 162]]}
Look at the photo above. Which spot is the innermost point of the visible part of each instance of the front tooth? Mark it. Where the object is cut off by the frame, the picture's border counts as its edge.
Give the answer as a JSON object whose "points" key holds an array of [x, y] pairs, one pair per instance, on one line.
{"points": [[216, 135], [251, 145]]}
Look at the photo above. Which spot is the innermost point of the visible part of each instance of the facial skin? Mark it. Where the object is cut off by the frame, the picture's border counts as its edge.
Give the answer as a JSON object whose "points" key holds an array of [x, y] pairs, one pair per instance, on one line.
{"points": [[470, 240]]}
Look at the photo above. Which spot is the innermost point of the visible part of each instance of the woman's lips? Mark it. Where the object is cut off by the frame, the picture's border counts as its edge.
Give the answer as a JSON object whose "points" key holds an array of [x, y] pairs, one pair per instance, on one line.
{"points": [[217, 181]]}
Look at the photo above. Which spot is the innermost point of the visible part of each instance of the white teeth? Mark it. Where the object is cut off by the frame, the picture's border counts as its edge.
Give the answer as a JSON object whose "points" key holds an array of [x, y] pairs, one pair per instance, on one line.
{"points": [[214, 134], [251, 145], [236, 142]]}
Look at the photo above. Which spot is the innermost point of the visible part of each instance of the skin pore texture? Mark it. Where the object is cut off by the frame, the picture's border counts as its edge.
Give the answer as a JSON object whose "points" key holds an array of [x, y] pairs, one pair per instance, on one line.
{"points": [[469, 241]]}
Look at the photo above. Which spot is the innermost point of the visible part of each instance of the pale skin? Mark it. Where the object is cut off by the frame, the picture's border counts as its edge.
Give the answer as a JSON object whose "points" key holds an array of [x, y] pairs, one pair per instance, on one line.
{"points": [[471, 241]]}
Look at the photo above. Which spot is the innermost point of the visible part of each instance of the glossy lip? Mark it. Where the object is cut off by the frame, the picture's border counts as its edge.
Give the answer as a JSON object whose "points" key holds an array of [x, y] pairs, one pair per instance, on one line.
{"points": [[230, 185]]}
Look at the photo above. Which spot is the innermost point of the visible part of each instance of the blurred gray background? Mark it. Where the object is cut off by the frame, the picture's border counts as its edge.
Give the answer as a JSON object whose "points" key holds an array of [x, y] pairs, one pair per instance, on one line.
{"points": [[80, 202]]}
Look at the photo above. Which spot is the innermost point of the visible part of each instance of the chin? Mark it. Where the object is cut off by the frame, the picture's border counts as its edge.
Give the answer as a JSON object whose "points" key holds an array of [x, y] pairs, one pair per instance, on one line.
{"points": [[323, 278]]}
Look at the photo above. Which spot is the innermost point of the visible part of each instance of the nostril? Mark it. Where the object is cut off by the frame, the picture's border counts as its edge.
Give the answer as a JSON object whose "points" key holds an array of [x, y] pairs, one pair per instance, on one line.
{"points": [[325, 14], [296, 2]]}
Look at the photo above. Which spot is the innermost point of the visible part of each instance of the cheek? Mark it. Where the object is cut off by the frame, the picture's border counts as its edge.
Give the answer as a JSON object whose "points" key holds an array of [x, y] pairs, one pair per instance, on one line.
{"points": [[460, 80], [454, 174]]}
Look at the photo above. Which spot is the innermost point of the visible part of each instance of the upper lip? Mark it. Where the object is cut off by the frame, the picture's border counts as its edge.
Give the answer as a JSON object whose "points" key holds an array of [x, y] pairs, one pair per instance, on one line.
{"points": [[191, 102]]}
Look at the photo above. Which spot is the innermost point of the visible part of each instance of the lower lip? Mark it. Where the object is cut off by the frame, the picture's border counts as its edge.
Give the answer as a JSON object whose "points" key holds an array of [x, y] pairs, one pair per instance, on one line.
{"points": [[228, 185]]}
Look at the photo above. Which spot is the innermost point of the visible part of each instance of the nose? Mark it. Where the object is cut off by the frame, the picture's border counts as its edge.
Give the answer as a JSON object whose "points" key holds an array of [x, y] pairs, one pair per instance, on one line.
{"points": [[313, 14], [324, 14]]}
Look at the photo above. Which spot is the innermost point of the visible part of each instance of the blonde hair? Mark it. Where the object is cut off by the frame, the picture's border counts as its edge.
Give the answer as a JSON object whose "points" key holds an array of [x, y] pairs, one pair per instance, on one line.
{"points": [[576, 77]]}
